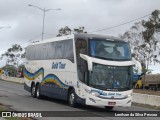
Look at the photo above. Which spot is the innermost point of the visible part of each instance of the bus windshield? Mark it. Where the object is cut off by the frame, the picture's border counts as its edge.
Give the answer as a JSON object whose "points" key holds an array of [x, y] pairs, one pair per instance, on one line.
{"points": [[110, 77], [110, 50]]}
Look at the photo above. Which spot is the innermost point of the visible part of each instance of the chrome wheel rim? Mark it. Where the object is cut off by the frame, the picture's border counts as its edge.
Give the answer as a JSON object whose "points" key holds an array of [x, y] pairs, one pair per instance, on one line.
{"points": [[71, 98], [33, 90], [38, 92]]}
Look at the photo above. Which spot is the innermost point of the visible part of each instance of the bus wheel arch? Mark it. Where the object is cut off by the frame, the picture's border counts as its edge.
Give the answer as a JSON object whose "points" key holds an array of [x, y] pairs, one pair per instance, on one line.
{"points": [[71, 97]]}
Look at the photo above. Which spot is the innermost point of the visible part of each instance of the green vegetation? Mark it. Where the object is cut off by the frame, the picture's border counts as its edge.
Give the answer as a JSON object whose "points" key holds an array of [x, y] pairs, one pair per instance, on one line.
{"points": [[13, 55], [144, 40], [12, 70], [67, 31]]}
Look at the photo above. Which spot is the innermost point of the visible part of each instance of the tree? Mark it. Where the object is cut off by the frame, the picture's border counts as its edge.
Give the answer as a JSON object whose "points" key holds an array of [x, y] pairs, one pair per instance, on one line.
{"points": [[151, 26], [144, 39], [79, 30], [135, 38], [12, 70], [13, 55], [151, 34], [64, 31], [67, 31]]}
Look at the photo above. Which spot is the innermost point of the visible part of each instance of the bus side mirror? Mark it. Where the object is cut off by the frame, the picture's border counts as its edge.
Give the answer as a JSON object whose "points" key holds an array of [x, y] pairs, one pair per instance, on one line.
{"points": [[89, 61], [137, 66]]}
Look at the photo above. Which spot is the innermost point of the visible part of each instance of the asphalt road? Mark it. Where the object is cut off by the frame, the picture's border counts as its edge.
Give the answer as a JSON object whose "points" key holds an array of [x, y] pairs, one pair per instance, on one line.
{"points": [[17, 98]]}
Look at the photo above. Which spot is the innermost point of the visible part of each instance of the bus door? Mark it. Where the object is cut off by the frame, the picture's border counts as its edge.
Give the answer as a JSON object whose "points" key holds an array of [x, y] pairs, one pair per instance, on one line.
{"points": [[81, 48]]}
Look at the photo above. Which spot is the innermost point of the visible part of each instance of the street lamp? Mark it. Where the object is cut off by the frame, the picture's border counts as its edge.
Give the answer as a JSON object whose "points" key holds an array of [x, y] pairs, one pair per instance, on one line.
{"points": [[44, 11]]}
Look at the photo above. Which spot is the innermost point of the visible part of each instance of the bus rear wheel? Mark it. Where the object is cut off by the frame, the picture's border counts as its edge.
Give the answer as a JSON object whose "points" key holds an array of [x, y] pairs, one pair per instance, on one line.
{"points": [[71, 99], [108, 108], [33, 91], [37, 92]]}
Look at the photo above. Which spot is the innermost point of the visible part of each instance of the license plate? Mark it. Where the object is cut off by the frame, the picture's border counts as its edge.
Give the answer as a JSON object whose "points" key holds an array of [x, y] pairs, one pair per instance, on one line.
{"points": [[111, 103]]}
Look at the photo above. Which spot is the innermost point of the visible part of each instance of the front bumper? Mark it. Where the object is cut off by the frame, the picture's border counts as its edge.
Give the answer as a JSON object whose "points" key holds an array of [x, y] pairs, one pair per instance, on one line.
{"points": [[97, 101]]}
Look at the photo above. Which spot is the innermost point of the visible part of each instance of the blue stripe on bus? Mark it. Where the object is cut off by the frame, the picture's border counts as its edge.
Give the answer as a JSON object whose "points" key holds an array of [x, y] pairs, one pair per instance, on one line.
{"points": [[54, 79], [48, 78], [51, 86], [33, 76]]}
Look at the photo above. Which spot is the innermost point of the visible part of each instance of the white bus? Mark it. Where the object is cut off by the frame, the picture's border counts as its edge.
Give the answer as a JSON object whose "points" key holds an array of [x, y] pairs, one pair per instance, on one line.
{"points": [[81, 68]]}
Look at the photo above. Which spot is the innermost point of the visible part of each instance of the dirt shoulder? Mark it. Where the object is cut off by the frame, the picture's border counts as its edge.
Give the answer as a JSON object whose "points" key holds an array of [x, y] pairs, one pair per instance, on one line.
{"points": [[149, 92], [8, 108], [146, 106]]}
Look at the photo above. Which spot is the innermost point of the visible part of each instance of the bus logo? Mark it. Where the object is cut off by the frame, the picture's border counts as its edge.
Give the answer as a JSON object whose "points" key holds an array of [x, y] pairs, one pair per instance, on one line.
{"points": [[58, 65]]}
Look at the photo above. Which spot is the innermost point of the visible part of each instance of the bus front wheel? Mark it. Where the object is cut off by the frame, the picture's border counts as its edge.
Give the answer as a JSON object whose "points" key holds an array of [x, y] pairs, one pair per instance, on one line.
{"points": [[71, 98]]}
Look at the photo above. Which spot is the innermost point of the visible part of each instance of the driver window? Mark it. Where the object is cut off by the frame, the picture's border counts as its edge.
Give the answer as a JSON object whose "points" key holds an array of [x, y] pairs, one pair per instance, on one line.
{"points": [[116, 52], [81, 47]]}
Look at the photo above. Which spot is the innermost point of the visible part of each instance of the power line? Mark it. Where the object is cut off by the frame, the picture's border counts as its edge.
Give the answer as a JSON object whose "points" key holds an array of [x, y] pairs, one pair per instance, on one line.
{"points": [[34, 38], [95, 30], [50, 34], [120, 24], [31, 39]]}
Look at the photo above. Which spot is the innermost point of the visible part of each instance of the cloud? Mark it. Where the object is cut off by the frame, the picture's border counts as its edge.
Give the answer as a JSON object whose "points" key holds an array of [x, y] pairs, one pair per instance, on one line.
{"points": [[26, 22]]}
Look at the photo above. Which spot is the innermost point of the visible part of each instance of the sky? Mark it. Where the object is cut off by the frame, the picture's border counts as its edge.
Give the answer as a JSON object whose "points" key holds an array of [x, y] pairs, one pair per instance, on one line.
{"points": [[26, 22], [154, 68]]}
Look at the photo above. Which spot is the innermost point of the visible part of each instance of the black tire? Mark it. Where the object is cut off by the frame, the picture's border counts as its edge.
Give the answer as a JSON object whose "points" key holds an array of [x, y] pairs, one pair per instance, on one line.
{"points": [[38, 92], [71, 99], [109, 108], [33, 91]]}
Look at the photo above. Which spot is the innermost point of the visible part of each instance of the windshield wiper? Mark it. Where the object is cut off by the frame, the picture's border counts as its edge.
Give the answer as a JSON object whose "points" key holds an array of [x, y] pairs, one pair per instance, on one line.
{"points": [[125, 88], [112, 59]]}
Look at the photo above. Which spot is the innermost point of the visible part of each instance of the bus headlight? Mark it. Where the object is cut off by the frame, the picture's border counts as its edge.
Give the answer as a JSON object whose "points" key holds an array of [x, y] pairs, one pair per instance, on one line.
{"points": [[129, 95], [95, 93]]}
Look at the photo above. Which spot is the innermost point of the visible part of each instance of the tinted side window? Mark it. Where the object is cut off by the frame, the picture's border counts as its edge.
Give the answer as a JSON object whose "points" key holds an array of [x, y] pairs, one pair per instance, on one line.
{"points": [[53, 50], [68, 50], [37, 49], [27, 53], [43, 51], [81, 47], [30, 54], [59, 50]]}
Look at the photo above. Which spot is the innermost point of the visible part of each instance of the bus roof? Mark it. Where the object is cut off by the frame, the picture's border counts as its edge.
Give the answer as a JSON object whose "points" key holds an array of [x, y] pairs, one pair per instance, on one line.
{"points": [[92, 36], [79, 35]]}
